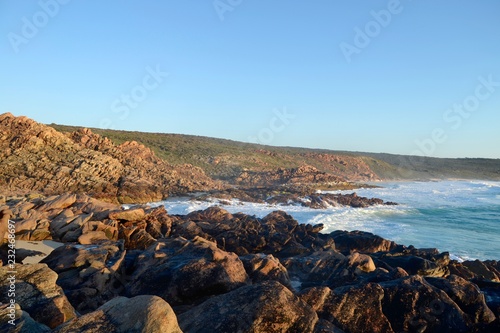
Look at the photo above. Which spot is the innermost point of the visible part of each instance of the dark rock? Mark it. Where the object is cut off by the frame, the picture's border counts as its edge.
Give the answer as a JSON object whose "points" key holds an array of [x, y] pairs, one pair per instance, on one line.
{"points": [[319, 268], [352, 309], [135, 238], [482, 270], [412, 304], [416, 265], [261, 267], [324, 326], [277, 233], [183, 271], [23, 323], [266, 307], [159, 223], [360, 241], [467, 296], [213, 214]]}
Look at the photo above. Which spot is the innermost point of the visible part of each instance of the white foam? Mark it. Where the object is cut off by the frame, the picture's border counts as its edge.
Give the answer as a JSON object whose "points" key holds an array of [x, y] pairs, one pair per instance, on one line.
{"points": [[428, 215]]}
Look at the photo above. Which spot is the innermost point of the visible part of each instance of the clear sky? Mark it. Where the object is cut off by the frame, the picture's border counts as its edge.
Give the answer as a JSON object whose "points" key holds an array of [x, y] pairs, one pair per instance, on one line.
{"points": [[407, 77]]}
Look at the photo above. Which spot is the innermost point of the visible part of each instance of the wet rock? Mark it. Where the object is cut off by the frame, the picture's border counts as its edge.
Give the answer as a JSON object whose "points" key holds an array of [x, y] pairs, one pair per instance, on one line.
{"points": [[183, 271], [266, 307], [37, 293], [141, 314]]}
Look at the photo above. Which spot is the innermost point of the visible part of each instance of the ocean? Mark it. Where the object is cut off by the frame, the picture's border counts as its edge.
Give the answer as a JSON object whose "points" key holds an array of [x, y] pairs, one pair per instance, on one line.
{"points": [[461, 217]]}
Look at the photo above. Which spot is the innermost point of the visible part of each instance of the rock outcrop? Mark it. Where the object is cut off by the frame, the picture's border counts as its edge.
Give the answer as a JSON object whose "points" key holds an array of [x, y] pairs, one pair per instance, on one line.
{"points": [[37, 293], [266, 307], [234, 272], [141, 314], [183, 271], [303, 175], [37, 158], [89, 274], [305, 196]]}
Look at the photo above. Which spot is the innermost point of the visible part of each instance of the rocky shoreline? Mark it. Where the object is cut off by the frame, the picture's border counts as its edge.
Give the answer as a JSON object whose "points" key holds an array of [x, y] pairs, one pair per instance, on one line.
{"points": [[144, 270], [305, 196]]}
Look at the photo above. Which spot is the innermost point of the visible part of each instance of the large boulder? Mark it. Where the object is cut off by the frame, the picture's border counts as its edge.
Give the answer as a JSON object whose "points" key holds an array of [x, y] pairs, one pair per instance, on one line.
{"points": [[183, 271], [261, 267], [37, 293], [352, 309], [467, 296], [412, 304], [330, 268], [89, 274], [416, 265], [360, 241], [141, 314], [59, 202], [267, 307]]}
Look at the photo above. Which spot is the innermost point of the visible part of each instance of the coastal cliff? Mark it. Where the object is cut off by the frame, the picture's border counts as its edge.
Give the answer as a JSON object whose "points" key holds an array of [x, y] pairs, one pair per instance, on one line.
{"points": [[37, 158]]}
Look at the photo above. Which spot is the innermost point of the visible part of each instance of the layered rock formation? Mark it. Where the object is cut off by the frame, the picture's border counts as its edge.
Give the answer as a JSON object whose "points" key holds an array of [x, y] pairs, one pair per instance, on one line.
{"points": [[302, 175], [37, 158]]}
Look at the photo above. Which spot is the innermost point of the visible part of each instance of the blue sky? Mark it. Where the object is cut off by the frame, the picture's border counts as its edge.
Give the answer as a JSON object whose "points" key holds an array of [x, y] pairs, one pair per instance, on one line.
{"points": [[406, 77]]}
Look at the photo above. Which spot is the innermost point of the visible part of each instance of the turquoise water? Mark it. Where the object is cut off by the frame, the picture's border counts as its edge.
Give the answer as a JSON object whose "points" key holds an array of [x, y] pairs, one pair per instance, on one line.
{"points": [[462, 217]]}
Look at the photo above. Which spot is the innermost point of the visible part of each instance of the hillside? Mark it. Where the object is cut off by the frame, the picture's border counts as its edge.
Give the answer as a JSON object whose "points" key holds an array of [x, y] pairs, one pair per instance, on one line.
{"points": [[37, 158], [237, 162]]}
